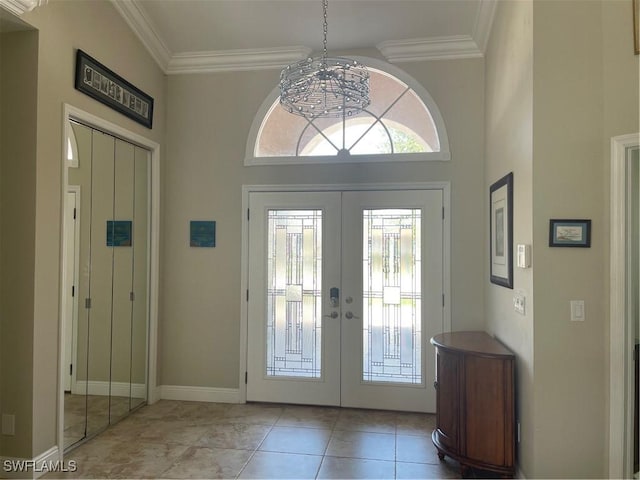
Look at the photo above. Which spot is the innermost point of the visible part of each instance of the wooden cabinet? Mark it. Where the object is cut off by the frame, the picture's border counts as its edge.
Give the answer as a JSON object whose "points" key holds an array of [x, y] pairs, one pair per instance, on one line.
{"points": [[475, 421]]}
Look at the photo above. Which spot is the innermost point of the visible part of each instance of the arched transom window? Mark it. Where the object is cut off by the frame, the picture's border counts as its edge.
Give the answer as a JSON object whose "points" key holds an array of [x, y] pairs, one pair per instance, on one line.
{"points": [[401, 123]]}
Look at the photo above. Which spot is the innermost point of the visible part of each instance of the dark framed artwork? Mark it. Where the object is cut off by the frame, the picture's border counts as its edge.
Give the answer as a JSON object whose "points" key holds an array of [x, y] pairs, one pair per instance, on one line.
{"points": [[570, 233], [202, 233], [102, 84], [119, 233], [501, 231]]}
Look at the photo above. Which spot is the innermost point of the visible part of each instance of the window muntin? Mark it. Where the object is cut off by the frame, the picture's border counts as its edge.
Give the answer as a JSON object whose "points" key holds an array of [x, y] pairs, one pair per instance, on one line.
{"points": [[396, 122]]}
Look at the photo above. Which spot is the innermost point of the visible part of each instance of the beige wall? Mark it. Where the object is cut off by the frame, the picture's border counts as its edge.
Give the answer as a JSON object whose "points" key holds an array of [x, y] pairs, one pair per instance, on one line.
{"points": [[18, 86], [98, 29], [209, 117], [584, 86], [509, 136], [570, 358]]}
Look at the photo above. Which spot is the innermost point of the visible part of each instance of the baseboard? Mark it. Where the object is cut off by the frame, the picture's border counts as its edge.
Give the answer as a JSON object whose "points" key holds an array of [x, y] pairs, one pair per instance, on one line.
{"points": [[117, 389], [49, 461], [200, 394]]}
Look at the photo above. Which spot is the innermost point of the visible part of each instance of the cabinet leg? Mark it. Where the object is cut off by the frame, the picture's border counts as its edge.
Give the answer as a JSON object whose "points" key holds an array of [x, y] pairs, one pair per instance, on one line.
{"points": [[441, 455]]}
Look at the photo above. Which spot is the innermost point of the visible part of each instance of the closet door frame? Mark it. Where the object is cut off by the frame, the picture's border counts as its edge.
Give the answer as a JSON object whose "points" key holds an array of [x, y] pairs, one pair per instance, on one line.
{"points": [[72, 113]]}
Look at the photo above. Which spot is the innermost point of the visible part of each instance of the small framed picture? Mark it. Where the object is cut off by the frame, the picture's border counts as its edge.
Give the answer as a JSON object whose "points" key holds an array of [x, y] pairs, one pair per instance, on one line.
{"points": [[119, 233], [569, 233], [202, 233]]}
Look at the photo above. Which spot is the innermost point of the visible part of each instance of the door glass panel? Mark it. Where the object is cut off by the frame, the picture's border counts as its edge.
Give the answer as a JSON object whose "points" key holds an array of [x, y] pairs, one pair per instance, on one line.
{"points": [[294, 303], [391, 303]]}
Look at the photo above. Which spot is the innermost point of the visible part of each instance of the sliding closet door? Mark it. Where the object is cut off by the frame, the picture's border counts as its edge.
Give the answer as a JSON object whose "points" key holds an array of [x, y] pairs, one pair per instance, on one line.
{"points": [[99, 302], [119, 240], [108, 331], [140, 311], [75, 399]]}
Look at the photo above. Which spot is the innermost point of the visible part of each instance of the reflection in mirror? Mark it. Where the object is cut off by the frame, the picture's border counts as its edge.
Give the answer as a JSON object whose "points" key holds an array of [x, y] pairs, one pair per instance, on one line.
{"points": [[105, 267], [100, 283], [121, 246], [76, 283]]}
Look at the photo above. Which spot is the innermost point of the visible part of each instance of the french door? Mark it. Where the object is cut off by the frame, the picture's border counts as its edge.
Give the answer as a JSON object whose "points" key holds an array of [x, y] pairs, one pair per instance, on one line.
{"points": [[345, 291]]}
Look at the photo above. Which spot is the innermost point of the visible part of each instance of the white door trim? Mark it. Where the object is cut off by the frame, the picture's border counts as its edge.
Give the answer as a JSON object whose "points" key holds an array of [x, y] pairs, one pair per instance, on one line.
{"points": [[620, 359], [70, 112], [244, 262], [71, 263]]}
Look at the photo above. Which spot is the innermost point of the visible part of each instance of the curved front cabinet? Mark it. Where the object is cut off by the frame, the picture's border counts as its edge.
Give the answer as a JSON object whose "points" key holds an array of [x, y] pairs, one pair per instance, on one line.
{"points": [[475, 401]]}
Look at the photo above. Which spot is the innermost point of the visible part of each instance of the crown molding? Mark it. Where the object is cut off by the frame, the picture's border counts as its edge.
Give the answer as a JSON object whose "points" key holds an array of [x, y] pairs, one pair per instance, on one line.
{"points": [[235, 60], [410, 50], [484, 23], [146, 31], [18, 7], [421, 49]]}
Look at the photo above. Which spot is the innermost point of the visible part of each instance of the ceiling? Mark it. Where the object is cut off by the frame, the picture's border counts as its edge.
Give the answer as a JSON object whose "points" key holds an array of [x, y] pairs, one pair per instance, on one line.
{"points": [[191, 36]]}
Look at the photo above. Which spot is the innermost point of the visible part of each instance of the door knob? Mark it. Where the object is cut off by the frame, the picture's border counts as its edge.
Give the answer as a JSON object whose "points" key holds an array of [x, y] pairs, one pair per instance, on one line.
{"points": [[333, 314], [350, 315]]}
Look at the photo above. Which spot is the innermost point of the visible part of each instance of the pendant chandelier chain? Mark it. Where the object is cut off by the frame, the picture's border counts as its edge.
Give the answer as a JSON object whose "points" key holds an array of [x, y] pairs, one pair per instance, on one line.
{"points": [[325, 29]]}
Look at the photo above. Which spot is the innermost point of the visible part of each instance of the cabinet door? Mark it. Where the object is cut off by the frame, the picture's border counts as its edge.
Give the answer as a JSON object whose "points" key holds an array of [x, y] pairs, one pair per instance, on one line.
{"points": [[448, 398], [489, 410]]}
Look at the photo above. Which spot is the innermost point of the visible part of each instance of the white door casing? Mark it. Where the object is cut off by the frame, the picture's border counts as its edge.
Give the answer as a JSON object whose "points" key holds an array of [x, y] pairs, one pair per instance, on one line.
{"points": [[345, 271], [70, 274]]}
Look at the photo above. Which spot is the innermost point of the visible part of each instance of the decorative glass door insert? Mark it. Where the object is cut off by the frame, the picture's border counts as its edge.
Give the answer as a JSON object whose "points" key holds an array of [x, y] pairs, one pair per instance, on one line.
{"points": [[392, 322], [294, 303]]}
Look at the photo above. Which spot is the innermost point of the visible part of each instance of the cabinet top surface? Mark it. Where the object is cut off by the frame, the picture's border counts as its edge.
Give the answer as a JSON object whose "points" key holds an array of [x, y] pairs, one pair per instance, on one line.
{"points": [[476, 342]]}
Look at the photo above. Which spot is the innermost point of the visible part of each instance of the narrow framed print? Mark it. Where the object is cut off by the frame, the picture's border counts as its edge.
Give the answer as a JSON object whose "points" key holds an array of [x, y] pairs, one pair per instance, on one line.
{"points": [[501, 228], [102, 84], [570, 233]]}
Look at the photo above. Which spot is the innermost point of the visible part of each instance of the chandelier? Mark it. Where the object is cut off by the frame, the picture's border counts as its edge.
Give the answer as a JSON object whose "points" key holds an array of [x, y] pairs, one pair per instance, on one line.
{"points": [[324, 86]]}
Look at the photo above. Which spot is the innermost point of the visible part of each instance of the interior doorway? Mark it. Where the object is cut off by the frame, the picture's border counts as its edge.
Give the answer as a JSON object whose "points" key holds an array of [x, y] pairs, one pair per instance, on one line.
{"points": [[624, 303]]}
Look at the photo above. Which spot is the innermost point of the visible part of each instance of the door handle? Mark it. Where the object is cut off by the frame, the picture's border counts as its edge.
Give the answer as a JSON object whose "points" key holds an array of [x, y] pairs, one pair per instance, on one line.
{"points": [[333, 314], [350, 315]]}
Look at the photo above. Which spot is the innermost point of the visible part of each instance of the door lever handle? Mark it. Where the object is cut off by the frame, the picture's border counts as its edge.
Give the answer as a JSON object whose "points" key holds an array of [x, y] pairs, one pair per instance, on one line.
{"points": [[333, 314], [350, 315]]}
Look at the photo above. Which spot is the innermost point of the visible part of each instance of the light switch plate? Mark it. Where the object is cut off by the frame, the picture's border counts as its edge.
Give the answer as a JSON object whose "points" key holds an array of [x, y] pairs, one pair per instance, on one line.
{"points": [[8, 424], [577, 310], [519, 302]]}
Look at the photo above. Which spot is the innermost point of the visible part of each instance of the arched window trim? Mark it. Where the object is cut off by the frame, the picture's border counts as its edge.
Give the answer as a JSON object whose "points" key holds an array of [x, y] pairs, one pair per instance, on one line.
{"points": [[443, 155]]}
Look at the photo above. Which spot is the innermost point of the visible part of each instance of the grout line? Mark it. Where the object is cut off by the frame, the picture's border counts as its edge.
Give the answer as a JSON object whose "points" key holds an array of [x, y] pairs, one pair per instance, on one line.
{"points": [[282, 408]]}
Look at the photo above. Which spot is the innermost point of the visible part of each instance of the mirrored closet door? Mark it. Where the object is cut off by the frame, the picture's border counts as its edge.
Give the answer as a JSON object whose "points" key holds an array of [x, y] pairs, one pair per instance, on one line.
{"points": [[105, 299]]}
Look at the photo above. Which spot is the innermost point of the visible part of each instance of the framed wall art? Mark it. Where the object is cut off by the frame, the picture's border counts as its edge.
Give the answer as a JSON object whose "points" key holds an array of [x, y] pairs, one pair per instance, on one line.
{"points": [[119, 233], [102, 84], [501, 228], [569, 233], [202, 233]]}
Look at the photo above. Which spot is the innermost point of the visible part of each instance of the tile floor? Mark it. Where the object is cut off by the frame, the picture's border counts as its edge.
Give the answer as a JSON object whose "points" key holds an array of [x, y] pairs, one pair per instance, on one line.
{"points": [[173, 439]]}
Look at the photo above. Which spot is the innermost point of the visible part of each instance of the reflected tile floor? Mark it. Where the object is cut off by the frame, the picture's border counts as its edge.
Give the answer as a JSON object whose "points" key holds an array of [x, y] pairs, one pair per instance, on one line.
{"points": [[174, 439]]}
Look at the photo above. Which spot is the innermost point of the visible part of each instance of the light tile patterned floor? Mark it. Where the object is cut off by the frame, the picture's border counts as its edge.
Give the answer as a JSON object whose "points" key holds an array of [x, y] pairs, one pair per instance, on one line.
{"points": [[173, 439]]}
